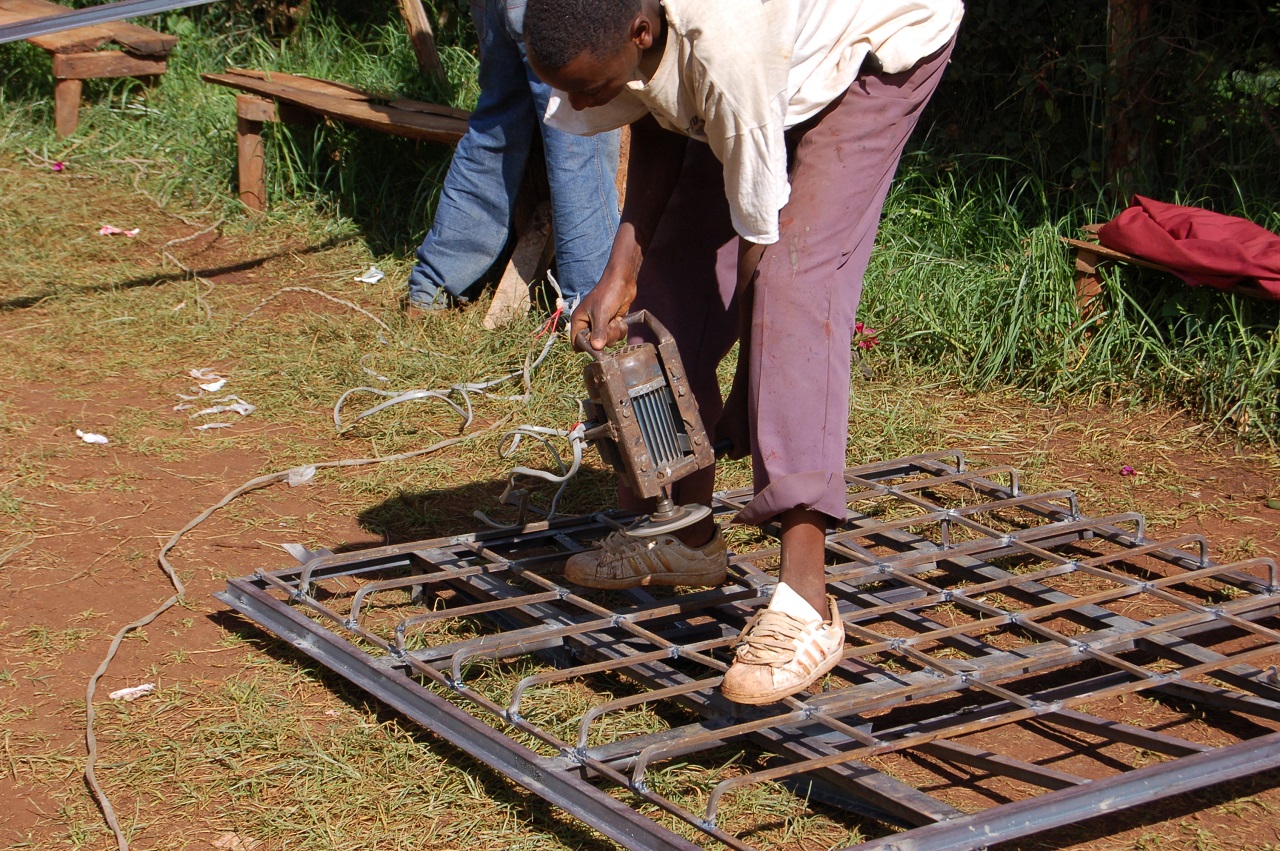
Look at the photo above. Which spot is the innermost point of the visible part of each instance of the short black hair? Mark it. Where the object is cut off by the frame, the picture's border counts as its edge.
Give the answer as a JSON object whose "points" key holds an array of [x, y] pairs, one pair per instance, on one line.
{"points": [[558, 31]]}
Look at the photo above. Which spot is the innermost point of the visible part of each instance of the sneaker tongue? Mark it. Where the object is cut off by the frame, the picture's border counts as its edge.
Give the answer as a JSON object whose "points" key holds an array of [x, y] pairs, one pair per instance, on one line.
{"points": [[790, 603]]}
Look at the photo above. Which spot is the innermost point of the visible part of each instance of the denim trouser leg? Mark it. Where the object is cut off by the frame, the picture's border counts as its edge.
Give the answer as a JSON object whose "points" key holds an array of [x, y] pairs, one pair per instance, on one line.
{"points": [[472, 221], [582, 172], [473, 216]]}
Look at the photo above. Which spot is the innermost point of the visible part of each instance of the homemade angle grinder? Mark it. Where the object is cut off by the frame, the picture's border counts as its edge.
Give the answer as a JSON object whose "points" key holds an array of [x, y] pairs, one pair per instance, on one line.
{"points": [[640, 413]]}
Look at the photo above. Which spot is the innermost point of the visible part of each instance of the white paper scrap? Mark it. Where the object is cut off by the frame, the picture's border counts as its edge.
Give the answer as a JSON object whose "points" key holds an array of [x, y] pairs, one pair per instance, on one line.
{"points": [[214, 386], [228, 404], [133, 692], [371, 276], [208, 426], [90, 437]]}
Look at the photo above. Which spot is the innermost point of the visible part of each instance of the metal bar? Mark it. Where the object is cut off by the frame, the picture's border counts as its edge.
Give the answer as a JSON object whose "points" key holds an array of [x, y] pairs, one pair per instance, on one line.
{"points": [[602, 812], [103, 14], [1027, 772], [1131, 789]]}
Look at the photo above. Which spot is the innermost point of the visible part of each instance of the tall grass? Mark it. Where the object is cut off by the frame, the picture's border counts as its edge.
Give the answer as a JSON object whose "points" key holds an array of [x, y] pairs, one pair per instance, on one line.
{"points": [[969, 282], [182, 132], [970, 279]]}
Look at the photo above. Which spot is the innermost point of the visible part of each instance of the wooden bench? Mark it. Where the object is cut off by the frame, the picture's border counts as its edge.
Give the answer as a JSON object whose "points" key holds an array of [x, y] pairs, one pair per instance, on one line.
{"points": [[1091, 257], [276, 96], [76, 54]]}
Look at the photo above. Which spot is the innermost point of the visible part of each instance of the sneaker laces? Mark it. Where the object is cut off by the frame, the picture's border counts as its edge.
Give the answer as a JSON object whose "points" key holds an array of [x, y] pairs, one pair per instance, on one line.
{"points": [[770, 639], [619, 547], [622, 545]]}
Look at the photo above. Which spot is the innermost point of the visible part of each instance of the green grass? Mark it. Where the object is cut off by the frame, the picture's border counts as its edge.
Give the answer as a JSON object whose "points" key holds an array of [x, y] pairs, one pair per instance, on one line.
{"points": [[970, 282]]}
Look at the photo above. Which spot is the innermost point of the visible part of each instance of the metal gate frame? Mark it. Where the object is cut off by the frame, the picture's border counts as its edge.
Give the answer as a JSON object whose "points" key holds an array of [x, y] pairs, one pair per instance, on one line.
{"points": [[1025, 646]]}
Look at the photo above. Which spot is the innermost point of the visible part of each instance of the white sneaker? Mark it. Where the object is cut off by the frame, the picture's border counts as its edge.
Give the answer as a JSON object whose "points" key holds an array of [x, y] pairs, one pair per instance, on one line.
{"points": [[628, 561], [784, 648]]}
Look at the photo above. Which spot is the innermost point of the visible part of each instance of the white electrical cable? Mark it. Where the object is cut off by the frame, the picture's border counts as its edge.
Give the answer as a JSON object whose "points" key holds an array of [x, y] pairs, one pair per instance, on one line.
{"points": [[577, 441], [294, 473], [463, 390]]}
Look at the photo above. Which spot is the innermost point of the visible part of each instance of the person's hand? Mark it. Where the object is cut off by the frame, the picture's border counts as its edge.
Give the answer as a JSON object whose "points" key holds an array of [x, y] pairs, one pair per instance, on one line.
{"points": [[601, 312]]}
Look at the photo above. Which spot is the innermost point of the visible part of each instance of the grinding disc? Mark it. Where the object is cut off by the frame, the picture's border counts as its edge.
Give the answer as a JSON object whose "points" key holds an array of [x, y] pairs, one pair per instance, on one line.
{"points": [[682, 516]]}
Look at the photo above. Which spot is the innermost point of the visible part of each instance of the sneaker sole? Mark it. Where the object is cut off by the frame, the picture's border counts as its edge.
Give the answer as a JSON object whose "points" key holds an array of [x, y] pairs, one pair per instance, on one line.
{"points": [[777, 694], [667, 579]]}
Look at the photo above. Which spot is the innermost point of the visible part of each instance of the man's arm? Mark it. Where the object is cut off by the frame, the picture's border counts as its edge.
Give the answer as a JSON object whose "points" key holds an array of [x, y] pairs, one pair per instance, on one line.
{"points": [[653, 168]]}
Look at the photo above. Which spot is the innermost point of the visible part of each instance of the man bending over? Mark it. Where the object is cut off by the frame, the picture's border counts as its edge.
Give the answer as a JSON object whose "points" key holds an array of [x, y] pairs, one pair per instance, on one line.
{"points": [[765, 134]]}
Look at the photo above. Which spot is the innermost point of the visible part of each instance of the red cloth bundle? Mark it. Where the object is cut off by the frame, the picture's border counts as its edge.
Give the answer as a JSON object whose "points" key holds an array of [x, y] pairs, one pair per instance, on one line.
{"points": [[1199, 246]]}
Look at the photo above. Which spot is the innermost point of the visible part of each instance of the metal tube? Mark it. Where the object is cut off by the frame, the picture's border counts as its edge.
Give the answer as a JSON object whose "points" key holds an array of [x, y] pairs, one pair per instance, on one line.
{"points": [[103, 14]]}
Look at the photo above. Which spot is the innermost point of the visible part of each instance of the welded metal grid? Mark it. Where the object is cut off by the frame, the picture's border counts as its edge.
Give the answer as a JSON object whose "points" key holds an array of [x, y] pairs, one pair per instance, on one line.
{"points": [[979, 619]]}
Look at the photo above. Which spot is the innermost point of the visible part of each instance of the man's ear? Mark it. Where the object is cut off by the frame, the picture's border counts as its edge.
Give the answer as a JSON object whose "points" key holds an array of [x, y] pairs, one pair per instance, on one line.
{"points": [[642, 34]]}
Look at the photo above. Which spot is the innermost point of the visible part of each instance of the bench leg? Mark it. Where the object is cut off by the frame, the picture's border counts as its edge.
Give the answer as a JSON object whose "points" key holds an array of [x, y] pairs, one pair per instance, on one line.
{"points": [[1088, 280], [66, 106], [251, 112]]}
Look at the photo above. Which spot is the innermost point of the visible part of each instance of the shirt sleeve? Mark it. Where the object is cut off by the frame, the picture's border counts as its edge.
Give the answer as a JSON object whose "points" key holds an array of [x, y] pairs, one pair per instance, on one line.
{"points": [[755, 181], [754, 156]]}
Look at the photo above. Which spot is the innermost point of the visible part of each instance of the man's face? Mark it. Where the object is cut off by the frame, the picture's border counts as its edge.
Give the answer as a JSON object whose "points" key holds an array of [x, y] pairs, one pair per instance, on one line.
{"points": [[591, 80]]}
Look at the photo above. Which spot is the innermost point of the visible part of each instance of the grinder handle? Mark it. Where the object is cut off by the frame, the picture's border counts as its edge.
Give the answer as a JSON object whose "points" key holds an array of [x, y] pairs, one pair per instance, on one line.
{"points": [[583, 343]]}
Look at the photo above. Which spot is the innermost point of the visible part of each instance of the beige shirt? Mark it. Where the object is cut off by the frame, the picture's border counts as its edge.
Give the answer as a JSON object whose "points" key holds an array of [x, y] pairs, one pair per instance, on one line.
{"points": [[737, 73]]}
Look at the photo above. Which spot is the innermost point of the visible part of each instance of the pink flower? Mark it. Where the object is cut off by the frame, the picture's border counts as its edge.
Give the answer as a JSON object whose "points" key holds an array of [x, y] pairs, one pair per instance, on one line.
{"points": [[1126, 470], [59, 166], [865, 337]]}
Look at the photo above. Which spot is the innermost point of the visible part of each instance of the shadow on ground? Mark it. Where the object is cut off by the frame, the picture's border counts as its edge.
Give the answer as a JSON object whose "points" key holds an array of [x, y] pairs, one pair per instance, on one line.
{"points": [[414, 515]]}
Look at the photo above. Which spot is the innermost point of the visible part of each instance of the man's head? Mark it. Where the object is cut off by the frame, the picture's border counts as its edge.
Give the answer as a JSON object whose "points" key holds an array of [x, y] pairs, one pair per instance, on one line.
{"points": [[590, 49]]}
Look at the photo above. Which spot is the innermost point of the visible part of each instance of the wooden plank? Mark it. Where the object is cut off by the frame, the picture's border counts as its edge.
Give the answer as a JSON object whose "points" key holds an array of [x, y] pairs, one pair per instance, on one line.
{"points": [[430, 108], [330, 87], [103, 63], [1105, 253], [422, 39], [530, 259], [13, 11], [383, 118], [141, 40], [81, 40], [310, 84], [255, 108]]}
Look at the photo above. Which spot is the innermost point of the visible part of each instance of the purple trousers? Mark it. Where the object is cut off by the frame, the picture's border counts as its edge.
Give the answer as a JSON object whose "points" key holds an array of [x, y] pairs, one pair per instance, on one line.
{"points": [[804, 297]]}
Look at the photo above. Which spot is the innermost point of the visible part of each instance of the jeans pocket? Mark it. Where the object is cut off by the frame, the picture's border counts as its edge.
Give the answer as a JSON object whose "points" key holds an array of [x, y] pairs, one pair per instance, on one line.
{"points": [[514, 17]]}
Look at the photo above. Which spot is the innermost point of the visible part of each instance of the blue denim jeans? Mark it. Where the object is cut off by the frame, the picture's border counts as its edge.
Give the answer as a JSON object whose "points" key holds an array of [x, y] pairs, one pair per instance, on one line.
{"points": [[473, 218]]}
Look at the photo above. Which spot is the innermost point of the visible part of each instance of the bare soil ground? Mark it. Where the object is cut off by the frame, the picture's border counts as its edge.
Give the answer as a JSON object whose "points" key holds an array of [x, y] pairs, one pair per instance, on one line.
{"points": [[244, 739]]}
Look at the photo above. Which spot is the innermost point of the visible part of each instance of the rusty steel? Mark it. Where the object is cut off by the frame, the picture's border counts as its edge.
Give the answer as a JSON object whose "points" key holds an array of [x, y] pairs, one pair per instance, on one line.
{"points": [[994, 638]]}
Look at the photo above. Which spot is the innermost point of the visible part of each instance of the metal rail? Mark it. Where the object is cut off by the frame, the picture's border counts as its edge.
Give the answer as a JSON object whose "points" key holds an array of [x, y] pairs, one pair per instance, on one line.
{"points": [[978, 618], [103, 14]]}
